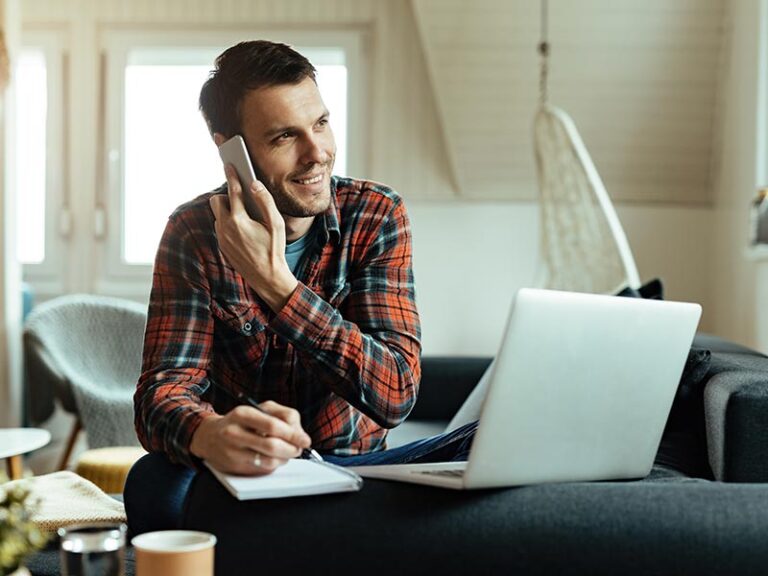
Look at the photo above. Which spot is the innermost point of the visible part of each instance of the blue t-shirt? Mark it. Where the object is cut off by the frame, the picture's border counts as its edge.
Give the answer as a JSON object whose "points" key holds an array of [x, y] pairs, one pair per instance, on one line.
{"points": [[295, 250]]}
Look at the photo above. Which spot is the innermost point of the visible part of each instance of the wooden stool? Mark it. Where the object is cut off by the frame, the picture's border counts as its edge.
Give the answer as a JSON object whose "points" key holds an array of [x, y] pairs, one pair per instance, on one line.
{"points": [[108, 467]]}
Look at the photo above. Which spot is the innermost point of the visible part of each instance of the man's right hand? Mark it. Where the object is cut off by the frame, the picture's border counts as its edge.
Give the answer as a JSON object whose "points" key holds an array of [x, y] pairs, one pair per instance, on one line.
{"points": [[246, 441]]}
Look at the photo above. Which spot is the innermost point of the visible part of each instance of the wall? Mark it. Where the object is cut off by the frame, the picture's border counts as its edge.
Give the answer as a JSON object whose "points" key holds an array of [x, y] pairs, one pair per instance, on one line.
{"points": [[469, 255], [742, 170], [639, 77]]}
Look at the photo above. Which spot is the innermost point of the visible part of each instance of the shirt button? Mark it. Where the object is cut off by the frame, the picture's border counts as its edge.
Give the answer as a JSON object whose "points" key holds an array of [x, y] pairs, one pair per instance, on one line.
{"points": [[247, 328]]}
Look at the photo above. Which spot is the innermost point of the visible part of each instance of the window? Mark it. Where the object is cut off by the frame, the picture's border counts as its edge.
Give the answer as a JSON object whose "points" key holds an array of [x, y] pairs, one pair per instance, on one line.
{"points": [[41, 212], [31, 137], [159, 151]]}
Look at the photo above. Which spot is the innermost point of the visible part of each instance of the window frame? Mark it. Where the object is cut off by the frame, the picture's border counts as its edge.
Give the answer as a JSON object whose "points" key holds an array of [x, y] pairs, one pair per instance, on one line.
{"points": [[48, 276], [121, 277]]}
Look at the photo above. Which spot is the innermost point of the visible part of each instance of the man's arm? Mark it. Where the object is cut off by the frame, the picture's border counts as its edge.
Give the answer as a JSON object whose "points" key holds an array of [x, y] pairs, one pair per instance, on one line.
{"points": [[370, 355], [171, 416], [368, 350]]}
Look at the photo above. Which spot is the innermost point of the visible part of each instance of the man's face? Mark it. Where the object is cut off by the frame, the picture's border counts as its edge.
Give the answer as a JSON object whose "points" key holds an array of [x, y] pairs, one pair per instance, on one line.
{"points": [[291, 145]]}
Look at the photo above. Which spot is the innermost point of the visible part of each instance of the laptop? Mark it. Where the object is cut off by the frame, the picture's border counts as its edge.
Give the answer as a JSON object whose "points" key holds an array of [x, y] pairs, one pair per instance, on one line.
{"points": [[580, 390]]}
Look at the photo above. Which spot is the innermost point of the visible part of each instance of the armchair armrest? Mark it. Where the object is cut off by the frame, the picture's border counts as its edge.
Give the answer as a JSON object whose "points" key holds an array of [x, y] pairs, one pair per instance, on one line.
{"points": [[736, 413], [446, 381]]}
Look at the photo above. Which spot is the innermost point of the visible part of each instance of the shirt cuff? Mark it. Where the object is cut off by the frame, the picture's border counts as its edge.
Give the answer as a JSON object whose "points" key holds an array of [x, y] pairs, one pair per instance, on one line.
{"points": [[180, 450], [304, 318]]}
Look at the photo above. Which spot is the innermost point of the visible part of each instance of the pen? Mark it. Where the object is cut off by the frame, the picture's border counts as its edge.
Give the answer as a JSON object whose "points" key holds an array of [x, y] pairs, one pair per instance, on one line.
{"points": [[306, 453]]}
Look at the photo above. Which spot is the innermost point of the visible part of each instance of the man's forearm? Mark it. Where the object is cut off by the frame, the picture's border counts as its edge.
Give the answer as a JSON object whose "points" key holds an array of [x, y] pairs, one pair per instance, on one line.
{"points": [[378, 375]]}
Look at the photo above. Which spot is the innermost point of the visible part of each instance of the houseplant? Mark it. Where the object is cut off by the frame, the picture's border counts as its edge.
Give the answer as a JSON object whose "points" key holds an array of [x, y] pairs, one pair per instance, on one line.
{"points": [[19, 536]]}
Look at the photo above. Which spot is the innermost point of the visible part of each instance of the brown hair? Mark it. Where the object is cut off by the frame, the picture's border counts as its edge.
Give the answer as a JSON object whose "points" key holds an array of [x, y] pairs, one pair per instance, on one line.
{"points": [[242, 68]]}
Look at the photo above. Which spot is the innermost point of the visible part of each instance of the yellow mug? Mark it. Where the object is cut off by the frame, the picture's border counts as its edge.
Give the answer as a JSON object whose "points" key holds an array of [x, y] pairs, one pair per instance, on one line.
{"points": [[174, 553]]}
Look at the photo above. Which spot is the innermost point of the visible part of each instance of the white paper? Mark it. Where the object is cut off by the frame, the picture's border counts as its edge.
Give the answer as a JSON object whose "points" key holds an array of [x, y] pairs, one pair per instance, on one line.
{"points": [[295, 478]]}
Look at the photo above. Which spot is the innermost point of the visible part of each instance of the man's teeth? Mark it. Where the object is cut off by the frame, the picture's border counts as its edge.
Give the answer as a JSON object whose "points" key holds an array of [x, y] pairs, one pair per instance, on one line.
{"points": [[313, 180]]}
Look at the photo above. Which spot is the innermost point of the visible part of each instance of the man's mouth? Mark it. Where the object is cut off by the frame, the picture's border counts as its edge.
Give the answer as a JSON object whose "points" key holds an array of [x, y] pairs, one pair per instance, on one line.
{"points": [[309, 179]]}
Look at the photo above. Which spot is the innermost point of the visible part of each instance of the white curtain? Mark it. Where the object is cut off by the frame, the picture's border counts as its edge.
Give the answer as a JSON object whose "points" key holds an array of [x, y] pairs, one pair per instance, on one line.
{"points": [[10, 270]]}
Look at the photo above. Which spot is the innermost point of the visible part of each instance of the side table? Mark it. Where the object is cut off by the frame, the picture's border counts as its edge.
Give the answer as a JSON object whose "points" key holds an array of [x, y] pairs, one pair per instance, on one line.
{"points": [[17, 441]]}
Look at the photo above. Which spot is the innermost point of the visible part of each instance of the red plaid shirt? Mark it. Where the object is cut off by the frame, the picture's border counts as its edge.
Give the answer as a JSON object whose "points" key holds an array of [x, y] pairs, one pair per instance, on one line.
{"points": [[344, 351]]}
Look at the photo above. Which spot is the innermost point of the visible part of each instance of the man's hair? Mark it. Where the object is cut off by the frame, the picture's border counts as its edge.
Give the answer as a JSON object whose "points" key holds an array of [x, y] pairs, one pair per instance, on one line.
{"points": [[244, 67]]}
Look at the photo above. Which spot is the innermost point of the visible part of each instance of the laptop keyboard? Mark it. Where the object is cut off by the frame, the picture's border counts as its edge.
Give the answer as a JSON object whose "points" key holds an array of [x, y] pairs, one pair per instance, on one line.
{"points": [[444, 473]]}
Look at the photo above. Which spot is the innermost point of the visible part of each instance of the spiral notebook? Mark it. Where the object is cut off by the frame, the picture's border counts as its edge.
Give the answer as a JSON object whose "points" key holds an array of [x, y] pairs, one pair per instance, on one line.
{"points": [[295, 478]]}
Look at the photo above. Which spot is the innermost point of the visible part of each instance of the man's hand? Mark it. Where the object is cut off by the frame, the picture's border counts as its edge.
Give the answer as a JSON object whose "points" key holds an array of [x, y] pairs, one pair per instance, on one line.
{"points": [[255, 249], [246, 441]]}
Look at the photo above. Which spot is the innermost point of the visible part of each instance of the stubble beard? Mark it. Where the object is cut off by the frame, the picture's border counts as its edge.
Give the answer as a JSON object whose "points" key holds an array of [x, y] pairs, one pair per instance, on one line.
{"points": [[289, 205]]}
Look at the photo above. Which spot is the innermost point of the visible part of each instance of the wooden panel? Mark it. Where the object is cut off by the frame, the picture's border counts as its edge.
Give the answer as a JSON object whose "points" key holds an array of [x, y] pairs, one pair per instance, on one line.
{"points": [[639, 78]]}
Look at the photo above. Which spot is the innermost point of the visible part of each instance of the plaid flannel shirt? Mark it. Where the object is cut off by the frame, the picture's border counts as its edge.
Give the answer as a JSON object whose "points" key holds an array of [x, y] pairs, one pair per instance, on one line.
{"points": [[344, 351]]}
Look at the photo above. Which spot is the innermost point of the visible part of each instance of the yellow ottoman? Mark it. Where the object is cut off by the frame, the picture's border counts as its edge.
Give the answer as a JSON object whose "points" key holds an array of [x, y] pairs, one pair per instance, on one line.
{"points": [[108, 467]]}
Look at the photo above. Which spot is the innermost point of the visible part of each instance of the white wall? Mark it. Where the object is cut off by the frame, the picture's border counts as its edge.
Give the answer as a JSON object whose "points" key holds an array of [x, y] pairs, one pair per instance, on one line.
{"points": [[470, 257], [742, 170]]}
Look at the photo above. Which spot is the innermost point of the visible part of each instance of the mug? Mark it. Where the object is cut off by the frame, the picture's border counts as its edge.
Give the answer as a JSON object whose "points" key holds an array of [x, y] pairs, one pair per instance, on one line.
{"points": [[88, 549], [174, 553]]}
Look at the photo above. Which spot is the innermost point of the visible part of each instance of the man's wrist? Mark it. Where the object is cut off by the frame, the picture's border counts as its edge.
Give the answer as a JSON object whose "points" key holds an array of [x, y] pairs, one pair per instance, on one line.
{"points": [[199, 443], [278, 292]]}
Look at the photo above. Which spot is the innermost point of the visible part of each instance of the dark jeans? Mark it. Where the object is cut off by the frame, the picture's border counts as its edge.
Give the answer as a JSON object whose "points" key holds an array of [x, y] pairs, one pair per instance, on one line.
{"points": [[156, 489]]}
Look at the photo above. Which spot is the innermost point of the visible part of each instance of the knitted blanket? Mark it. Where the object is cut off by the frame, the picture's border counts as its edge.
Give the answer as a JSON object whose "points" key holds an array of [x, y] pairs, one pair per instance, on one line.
{"points": [[64, 498]]}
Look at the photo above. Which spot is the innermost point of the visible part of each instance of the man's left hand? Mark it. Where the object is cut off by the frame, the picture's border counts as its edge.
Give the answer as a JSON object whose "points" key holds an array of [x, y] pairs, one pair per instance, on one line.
{"points": [[256, 249]]}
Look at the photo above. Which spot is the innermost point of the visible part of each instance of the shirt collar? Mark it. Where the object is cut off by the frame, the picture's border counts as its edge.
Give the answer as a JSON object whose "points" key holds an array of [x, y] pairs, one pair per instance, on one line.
{"points": [[331, 229]]}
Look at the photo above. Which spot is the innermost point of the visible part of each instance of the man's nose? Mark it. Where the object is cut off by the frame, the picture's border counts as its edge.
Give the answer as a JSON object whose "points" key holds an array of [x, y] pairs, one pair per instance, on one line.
{"points": [[316, 149]]}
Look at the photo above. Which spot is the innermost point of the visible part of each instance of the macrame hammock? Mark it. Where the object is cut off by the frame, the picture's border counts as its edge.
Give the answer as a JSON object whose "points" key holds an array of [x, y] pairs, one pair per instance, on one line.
{"points": [[583, 246]]}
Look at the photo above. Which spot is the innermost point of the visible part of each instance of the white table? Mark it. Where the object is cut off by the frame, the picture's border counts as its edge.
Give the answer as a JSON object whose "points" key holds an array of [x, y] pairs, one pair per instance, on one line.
{"points": [[17, 441]]}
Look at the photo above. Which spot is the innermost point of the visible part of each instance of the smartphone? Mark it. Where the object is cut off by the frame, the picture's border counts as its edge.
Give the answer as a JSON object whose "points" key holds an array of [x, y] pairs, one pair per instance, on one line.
{"points": [[234, 152]]}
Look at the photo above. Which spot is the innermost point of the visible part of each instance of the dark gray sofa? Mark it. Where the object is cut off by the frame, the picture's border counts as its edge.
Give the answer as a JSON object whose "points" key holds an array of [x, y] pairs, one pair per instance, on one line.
{"points": [[667, 523]]}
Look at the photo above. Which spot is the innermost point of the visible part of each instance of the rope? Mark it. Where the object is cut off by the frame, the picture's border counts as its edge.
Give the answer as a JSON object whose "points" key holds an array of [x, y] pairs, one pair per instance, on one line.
{"points": [[5, 66], [543, 49]]}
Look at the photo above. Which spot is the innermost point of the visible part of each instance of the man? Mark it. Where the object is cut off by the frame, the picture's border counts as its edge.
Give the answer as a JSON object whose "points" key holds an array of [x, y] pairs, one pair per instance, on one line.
{"points": [[308, 309]]}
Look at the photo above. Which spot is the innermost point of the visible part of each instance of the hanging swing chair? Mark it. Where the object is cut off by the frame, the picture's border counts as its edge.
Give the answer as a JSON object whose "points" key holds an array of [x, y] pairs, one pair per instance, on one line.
{"points": [[583, 246]]}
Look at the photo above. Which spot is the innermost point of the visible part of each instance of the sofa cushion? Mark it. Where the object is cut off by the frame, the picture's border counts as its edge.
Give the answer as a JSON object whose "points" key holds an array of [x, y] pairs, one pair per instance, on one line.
{"points": [[663, 526]]}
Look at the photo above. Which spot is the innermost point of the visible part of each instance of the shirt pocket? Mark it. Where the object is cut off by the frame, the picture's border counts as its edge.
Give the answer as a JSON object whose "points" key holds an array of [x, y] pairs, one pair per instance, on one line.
{"points": [[238, 317]]}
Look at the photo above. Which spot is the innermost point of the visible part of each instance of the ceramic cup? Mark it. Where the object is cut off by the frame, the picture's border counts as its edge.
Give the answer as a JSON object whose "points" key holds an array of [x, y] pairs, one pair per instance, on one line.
{"points": [[174, 553]]}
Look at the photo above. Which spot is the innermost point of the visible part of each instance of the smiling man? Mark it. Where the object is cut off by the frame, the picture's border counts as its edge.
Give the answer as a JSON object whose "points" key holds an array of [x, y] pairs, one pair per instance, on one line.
{"points": [[309, 309]]}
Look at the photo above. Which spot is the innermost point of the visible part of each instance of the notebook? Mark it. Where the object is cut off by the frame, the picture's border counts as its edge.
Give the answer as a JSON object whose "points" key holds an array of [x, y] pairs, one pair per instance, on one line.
{"points": [[295, 478], [580, 390]]}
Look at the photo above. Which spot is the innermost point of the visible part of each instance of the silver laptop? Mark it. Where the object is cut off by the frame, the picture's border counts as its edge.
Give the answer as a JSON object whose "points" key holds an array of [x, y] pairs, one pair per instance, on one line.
{"points": [[580, 390]]}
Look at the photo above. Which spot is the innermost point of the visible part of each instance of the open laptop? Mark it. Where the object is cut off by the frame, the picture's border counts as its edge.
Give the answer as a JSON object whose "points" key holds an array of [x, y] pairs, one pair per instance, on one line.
{"points": [[580, 390]]}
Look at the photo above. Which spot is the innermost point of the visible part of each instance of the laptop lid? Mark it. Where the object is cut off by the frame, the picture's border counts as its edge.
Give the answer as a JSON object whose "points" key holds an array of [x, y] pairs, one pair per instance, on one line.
{"points": [[581, 388]]}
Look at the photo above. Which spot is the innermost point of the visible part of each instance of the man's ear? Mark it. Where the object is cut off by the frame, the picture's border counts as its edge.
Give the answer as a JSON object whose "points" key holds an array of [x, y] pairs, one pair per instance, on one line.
{"points": [[219, 138]]}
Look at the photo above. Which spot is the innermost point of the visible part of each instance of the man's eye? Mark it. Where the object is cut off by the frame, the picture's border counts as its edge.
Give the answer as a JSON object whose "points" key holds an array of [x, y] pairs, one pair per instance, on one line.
{"points": [[282, 137]]}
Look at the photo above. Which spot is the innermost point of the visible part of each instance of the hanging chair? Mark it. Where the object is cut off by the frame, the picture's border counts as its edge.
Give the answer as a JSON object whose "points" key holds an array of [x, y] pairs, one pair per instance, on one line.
{"points": [[583, 246]]}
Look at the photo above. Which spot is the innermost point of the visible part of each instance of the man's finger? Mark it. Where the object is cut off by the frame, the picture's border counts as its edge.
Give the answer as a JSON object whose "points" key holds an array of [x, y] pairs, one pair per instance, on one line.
{"points": [[267, 445], [290, 417], [265, 204], [264, 424], [234, 190], [218, 204]]}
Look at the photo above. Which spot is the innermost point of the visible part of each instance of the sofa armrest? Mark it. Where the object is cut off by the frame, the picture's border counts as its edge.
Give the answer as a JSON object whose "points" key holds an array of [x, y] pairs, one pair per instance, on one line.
{"points": [[736, 412], [446, 381]]}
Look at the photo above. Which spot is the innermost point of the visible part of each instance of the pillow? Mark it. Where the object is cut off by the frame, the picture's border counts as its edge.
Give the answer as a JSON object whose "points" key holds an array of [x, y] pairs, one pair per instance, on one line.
{"points": [[470, 410]]}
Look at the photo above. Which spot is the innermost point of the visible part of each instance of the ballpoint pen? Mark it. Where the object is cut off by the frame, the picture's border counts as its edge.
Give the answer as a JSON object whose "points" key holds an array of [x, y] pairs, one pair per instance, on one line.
{"points": [[243, 398]]}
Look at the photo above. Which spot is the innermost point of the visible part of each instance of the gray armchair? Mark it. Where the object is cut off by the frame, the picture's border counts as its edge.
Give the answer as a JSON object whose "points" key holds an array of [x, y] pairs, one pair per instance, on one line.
{"points": [[85, 351]]}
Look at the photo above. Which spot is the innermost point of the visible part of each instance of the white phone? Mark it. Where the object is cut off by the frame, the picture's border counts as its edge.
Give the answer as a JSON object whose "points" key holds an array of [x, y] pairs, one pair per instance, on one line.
{"points": [[234, 152]]}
